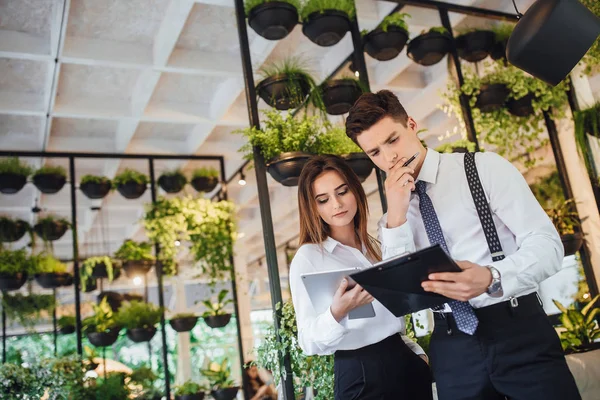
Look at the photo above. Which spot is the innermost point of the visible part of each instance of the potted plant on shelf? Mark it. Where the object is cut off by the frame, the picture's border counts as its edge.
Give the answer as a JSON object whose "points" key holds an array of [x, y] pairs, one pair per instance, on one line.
{"points": [[215, 315], [325, 22], [51, 228], [339, 95], [286, 84], [50, 272], [27, 309], [114, 299], [13, 175], [172, 181], [12, 230], [183, 322], [102, 328], [95, 187], [205, 179], [565, 219], [98, 268], [219, 378], [15, 266], [389, 38], [190, 391], [458, 146], [474, 45], [139, 319], [580, 327], [131, 184], [272, 20], [501, 34], [66, 324], [137, 257], [587, 122], [50, 179], [430, 47]]}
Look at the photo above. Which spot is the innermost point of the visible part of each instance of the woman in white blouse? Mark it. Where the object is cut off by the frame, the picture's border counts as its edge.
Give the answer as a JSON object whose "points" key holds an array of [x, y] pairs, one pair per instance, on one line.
{"points": [[373, 360]]}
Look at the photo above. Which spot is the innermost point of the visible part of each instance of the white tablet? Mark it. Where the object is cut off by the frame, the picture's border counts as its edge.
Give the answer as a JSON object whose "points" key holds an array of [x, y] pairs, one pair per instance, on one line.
{"points": [[322, 285]]}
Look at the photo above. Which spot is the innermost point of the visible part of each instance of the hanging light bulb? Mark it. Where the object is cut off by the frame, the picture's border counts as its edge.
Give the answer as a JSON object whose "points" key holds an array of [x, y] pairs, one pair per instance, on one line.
{"points": [[137, 281], [242, 181], [177, 243], [357, 73]]}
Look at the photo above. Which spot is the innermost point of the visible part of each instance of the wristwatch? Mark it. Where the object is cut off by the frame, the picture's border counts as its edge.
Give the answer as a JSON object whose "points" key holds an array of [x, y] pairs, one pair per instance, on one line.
{"points": [[495, 288]]}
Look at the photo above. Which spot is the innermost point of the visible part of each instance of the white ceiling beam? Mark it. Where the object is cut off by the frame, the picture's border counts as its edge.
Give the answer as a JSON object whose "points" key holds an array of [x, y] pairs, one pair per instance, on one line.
{"points": [[170, 29]]}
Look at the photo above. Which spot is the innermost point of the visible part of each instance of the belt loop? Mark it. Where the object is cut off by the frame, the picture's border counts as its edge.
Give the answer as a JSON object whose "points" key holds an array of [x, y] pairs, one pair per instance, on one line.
{"points": [[539, 299], [513, 305]]}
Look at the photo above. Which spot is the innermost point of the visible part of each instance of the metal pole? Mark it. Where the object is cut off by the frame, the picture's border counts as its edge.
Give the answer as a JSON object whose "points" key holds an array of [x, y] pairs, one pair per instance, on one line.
{"points": [[161, 297], [76, 276], [263, 194], [3, 331], [54, 324], [464, 101]]}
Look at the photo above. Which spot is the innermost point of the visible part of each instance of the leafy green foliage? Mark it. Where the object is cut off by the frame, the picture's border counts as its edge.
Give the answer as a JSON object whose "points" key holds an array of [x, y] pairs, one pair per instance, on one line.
{"points": [[564, 217], [47, 264], [94, 179], [580, 326], [183, 315], [218, 308], [12, 165], [51, 220], [176, 174], [218, 375], [27, 309], [189, 388], [502, 32], [397, 20], [205, 172], [135, 251], [112, 387], [18, 383], [439, 29], [8, 227], [250, 4], [548, 191], [103, 320], [209, 227], [62, 377], [87, 267], [130, 175], [312, 6], [449, 147], [592, 57], [335, 141], [13, 262], [51, 170], [587, 122], [66, 321], [315, 371], [137, 314]]}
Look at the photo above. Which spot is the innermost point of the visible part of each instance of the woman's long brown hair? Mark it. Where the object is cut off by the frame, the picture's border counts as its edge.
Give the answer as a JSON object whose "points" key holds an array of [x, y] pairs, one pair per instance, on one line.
{"points": [[312, 228]]}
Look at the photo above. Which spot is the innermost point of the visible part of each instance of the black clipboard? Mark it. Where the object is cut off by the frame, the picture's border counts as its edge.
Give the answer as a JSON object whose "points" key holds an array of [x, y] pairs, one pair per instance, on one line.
{"points": [[396, 282]]}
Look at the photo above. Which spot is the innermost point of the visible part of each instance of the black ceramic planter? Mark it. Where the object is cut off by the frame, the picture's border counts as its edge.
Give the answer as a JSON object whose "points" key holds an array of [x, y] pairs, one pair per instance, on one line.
{"points": [[384, 46], [67, 330], [171, 183], [273, 20], [326, 28], [103, 339], [283, 92], [498, 51], [429, 48], [361, 164], [225, 394], [52, 280], [218, 321], [492, 97], [137, 268], [205, 184], [13, 230], [132, 190], [339, 95], [475, 46], [11, 183], [12, 282], [139, 335], [286, 168], [51, 230], [183, 324], [49, 183], [100, 272], [572, 243], [91, 285], [521, 107], [113, 299], [94, 190], [68, 280], [196, 396]]}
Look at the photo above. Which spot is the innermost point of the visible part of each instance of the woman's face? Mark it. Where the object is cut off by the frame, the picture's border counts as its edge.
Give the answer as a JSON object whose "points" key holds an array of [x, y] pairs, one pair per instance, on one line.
{"points": [[253, 372], [335, 202]]}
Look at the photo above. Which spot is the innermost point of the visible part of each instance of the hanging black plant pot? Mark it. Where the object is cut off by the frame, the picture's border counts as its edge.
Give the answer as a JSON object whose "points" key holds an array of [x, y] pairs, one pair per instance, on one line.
{"points": [[137, 268], [67, 330], [95, 190], [132, 297], [339, 95], [326, 28], [286, 168], [49, 183], [361, 164], [131, 189], [103, 339], [429, 48], [225, 394], [12, 282], [195, 396], [185, 324], [273, 20], [572, 243], [68, 280], [91, 285], [492, 97], [521, 107], [475, 46], [384, 46], [172, 183], [12, 230], [139, 335], [52, 280], [51, 230], [217, 321], [283, 92], [12, 183], [204, 184], [113, 299], [498, 51]]}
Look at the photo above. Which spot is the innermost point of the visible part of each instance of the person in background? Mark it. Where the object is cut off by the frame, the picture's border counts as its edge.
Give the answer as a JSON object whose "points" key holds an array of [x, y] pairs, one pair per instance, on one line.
{"points": [[256, 388]]}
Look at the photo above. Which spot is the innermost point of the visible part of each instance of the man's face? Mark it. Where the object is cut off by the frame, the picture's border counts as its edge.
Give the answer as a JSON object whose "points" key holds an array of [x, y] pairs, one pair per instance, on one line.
{"points": [[388, 141]]}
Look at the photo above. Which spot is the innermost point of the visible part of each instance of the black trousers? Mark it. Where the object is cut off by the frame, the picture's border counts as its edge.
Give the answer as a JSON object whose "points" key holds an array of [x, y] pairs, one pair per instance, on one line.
{"points": [[515, 354], [387, 370]]}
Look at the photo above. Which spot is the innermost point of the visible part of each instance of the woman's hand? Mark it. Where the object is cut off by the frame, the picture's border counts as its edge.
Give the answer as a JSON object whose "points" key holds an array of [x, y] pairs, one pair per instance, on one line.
{"points": [[345, 300]]}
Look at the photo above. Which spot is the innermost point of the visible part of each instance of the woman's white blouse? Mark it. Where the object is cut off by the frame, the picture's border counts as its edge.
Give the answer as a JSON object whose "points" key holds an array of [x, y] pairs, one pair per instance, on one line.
{"points": [[322, 334]]}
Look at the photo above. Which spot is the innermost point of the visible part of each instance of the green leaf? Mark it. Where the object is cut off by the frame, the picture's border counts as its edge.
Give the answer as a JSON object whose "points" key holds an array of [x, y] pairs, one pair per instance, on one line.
{"points": [[589, 305], [559, 306]]}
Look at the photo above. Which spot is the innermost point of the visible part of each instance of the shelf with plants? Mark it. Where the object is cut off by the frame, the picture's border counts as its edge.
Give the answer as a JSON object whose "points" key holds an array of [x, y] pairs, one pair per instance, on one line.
{"points": [[12, 230], [102, 328], [172, 181], [95, 187], [15, 267], [473, 45], [215, 315], [131, 184], [139, 319], [28, 309], [326, 22], [190, 390], [50, 272], [273, 20], [385, 42], [183, 322], [219, 379], [205, 179], [51, 228], [430, 47], [50, 179], [136, 257], [13, 174], [99, 267]]}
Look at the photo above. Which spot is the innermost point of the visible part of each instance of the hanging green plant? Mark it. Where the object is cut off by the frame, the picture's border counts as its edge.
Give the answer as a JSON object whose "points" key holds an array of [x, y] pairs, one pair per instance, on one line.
{"points": [[135, 251], [334, 141], [592, 57], [313, 6], [13, 262], [87, 269], [12, 165], [564, 217], [397, 19], [103, 320], [548, 191], [12, 230], [587, 122], [63, 378], [458, 146], [138, 314], [27, 309]]}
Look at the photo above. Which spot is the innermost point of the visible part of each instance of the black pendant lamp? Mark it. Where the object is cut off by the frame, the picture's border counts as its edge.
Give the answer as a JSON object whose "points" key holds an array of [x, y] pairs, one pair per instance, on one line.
{"points": [[551, 38]]}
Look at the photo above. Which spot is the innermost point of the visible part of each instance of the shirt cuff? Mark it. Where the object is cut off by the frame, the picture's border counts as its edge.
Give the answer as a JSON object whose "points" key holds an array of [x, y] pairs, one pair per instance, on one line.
{"points": [[331, 326], [398, 237]]}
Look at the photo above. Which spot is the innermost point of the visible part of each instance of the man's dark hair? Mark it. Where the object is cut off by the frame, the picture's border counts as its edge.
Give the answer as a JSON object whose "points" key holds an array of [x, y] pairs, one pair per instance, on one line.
{"points": [[370, 108]]}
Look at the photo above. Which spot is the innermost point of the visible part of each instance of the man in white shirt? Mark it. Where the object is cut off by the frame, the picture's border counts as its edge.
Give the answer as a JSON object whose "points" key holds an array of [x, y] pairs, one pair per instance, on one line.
{"points": [[495, 340]]}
